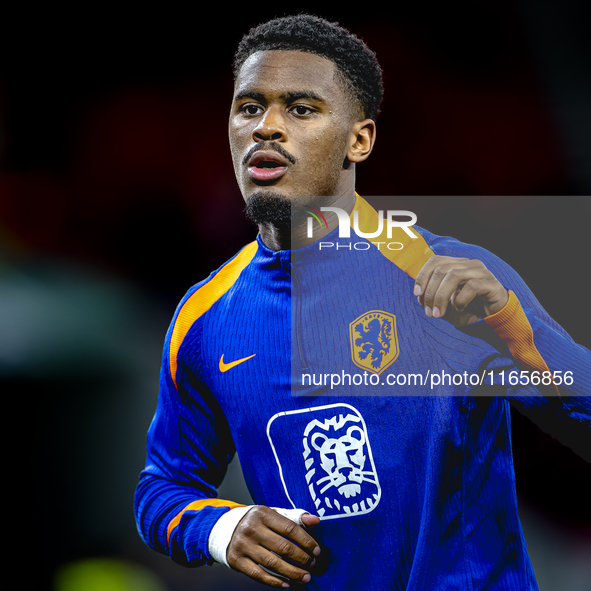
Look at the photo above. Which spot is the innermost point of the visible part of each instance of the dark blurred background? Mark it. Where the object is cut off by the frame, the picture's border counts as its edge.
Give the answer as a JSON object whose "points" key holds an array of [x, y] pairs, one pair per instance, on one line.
{"points": [[117, 194]]}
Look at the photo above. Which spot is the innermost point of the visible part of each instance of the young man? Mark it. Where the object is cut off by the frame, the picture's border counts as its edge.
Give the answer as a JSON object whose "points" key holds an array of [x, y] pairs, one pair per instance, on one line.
{"points": [[369, 485]]}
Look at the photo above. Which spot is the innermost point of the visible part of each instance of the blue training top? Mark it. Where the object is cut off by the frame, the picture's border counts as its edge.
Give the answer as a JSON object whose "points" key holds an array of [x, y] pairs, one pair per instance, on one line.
{"points": [[341, 397]]}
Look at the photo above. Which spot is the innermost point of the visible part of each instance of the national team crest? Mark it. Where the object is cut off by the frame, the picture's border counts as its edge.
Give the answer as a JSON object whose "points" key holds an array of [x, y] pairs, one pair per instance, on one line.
{"points": [[374, 341]]}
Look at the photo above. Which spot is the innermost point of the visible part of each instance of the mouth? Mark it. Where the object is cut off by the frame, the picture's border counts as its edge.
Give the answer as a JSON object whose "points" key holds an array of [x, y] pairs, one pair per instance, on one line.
{"points": [[265, 166]]}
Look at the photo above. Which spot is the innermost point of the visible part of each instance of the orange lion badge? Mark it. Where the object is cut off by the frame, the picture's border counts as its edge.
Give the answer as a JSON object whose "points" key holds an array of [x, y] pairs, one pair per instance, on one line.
{"points": [[374, 341]]}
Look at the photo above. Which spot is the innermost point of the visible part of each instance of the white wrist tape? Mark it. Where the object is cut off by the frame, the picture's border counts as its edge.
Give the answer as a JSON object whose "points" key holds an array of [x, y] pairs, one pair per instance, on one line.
{"points": [[294, 515], [222, 532]]}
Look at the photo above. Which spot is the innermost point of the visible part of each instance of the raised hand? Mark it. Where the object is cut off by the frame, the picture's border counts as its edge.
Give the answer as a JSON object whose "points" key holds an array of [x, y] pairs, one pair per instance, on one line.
{"points": [[460, 290]]}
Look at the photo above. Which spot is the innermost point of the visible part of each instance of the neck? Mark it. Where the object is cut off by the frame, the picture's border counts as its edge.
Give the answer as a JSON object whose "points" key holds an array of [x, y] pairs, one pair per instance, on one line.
{"points": [[277, 238], [296, 237]]}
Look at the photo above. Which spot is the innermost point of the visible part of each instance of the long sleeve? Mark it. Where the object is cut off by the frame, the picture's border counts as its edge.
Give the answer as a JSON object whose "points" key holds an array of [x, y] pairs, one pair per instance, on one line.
{"points": [[555, 388], [560, 368], [189, 446], [189, 441]]}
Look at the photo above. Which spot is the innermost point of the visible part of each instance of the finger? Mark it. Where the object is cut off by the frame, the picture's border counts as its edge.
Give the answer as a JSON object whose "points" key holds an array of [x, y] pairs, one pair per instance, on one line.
{"points": [[310, 520], [276, 564], [470, 290], [254, 571], [444, 280], [493, 296], [453, 283], [425, 273], [287, 549], [295, 515], [288, 529], [254, 536], [423, 277]]}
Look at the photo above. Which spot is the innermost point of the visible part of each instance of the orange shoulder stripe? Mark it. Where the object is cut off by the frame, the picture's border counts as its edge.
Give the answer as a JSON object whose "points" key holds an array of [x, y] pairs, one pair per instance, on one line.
{"points": [[415, 252], [512, 325], [202, 300], [197, 506]]}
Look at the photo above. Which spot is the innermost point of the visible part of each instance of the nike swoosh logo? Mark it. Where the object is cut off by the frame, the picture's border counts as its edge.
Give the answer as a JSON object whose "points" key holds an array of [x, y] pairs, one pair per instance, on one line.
{"points": [[226, 366]]}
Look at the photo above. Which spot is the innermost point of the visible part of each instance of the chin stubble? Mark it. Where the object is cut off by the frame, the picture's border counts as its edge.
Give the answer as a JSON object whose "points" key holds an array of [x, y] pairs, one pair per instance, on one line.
{"points": [[273, 209]]}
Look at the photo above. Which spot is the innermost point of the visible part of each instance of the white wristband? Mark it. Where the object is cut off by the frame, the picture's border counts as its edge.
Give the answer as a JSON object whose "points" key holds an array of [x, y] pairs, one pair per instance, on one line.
{"points": [[223, 530]]}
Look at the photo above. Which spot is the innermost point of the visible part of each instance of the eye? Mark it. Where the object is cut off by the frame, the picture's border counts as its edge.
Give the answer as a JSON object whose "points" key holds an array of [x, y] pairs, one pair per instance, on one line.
{"points": [[251, 109], [301, 110]]}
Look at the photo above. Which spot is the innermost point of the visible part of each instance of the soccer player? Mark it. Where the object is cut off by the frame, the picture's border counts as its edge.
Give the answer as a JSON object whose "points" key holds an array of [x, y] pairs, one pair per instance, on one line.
{"points": [[361, 479]]}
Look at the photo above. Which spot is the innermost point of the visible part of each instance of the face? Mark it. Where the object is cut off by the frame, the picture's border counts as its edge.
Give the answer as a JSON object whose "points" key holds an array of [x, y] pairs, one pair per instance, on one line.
{"points": [[291, 126]]}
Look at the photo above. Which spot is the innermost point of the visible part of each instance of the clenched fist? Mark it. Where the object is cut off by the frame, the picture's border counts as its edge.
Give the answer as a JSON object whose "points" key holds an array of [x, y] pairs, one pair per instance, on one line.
{"points": [[263, 537], [462, 291]]}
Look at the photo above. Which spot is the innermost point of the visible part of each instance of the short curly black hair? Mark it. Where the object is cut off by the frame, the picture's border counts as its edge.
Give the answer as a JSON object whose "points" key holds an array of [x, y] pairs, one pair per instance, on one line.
{"points": [[357, 64]]}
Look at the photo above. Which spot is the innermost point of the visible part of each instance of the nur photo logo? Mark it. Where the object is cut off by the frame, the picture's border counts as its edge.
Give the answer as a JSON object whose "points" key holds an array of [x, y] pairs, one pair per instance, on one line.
{"points": [[382, 227]]}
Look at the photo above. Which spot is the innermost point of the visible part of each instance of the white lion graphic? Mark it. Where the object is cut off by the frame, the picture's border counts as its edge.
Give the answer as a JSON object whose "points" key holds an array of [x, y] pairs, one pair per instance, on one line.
{"points": [[336, 454]]}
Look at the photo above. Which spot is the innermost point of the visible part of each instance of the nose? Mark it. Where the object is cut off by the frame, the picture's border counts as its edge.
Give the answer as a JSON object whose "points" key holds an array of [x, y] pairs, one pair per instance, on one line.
{"points": [[270, 127]]}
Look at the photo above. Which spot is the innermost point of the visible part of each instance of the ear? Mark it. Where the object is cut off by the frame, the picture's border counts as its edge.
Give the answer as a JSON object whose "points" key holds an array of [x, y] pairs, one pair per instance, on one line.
{"points": [[363, 137]]}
